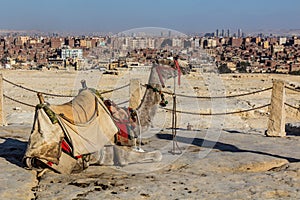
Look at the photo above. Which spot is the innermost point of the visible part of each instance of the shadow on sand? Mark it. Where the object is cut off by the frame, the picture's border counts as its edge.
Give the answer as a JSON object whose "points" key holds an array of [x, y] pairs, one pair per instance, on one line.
{"points": [[220, 146], [13, 150]]}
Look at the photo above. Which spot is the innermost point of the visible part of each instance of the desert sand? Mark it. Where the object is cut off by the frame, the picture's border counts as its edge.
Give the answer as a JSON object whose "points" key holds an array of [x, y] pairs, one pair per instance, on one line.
{"points": [[223, 157]]}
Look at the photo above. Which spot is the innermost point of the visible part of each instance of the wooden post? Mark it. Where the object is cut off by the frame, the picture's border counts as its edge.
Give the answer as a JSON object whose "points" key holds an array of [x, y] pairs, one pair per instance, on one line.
{"points": [[41, 98], [2, 119], [276, 123], [135, 93]]}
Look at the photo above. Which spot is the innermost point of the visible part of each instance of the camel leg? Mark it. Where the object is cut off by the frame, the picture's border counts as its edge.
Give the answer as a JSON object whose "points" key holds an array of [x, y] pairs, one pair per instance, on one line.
{"points": [[121, 155], [103, 157], [124, 156]]}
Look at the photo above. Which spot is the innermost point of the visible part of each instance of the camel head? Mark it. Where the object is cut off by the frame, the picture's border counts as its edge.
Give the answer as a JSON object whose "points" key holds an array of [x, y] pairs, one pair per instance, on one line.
{"points": [[162, 70]]}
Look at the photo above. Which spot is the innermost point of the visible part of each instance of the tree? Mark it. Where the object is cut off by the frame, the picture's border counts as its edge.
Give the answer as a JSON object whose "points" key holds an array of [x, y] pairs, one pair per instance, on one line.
{"points": [[224, 69], [242, 67]]}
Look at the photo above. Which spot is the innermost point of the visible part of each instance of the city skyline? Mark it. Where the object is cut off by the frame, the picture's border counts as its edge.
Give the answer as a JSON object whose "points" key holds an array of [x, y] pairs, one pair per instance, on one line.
{"points": [[117, 16]]}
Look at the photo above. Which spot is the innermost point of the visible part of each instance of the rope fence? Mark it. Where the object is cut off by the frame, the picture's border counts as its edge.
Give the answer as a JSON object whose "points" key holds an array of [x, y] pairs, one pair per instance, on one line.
{"points": [[58, 95], [20, 102], [224, 113], [291, 106], [165, 92], [35, 91], [275, 107], [214, 97], [48, 94], [293, 89], [221, 97], [115, 89]]}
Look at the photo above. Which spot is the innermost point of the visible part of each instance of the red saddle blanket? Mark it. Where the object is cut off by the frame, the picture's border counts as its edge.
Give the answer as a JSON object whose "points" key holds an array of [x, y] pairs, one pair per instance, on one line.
{"points": [[124, 121]]}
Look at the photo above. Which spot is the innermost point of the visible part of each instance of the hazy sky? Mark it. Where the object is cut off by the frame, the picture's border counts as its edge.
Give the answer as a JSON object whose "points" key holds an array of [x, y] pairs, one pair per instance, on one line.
{"points": [[120, 15]]}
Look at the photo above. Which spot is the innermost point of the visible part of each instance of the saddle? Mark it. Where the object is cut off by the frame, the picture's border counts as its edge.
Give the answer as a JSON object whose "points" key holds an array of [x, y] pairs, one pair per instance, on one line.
{"points": [[70, 132], [80, 110]]}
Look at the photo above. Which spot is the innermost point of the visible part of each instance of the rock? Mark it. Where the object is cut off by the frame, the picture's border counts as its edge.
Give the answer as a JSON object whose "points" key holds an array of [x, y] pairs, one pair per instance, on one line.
{"points": [[293, 128], [20, 118], [16, 182], [221, 162], [272, 194], [17, 108], [243, 164]]}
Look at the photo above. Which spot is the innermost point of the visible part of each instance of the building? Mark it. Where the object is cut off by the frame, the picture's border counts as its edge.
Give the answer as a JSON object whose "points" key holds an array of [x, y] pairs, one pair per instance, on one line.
{"points": [[228, 33], [282, 40], [138, 43], [265, 45], [177, 42], [277, 48], [197, 43], [223, 33], [239, 33], [71, 53], [296, 41], [56, 42], [235, 42]]}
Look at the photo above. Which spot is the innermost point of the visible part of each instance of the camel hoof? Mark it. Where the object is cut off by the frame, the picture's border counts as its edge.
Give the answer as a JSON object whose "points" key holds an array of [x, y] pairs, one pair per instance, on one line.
{"points": [[157, 156]]}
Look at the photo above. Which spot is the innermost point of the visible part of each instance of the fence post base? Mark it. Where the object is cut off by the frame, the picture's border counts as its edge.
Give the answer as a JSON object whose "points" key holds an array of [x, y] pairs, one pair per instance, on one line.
{"points": [[276, 123]]}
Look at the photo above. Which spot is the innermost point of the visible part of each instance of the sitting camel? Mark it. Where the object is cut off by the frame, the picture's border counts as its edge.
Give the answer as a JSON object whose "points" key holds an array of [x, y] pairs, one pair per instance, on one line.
{"points": [[87, 130]]}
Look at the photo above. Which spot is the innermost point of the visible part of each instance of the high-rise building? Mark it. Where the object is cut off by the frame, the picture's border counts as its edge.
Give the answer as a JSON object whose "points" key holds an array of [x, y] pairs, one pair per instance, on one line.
{"points": [[239, 33], [197, 42], [228, 33], [223, 33], [217, 33]]}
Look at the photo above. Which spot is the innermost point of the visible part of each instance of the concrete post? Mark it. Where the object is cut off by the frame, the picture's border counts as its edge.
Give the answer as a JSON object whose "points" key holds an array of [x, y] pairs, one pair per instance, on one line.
{"points": [[2, 120], [276, 123], [135, 93]]}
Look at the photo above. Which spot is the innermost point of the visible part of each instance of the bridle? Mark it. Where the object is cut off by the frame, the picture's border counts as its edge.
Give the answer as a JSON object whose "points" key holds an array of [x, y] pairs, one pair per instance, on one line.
{"points": [[160, 68]]}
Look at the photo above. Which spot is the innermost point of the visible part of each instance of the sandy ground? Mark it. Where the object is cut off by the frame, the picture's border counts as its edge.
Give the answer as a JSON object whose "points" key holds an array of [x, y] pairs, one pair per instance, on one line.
{"points": [[223, 157]]}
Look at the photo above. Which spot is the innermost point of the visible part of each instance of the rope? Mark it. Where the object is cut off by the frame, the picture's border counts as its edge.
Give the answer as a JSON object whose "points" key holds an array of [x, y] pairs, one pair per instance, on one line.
{"points": [[23, 103], [293, 89], [215, 97], [226, 113], [108, 91], [289, 105], [220, 97], [58, 95], [31, 90]]}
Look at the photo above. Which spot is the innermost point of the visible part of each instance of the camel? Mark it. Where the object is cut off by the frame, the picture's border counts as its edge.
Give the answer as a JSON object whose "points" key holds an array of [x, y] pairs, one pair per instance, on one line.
{"points": [[68, 138]]}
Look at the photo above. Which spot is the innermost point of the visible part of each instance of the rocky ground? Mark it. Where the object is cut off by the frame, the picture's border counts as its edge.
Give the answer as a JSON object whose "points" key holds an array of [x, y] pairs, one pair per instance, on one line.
{"points": [[223, 157]]}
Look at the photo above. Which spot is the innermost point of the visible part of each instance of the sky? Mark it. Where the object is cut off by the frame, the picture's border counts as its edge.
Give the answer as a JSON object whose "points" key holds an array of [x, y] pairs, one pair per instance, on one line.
{"points": [[187, 16]]}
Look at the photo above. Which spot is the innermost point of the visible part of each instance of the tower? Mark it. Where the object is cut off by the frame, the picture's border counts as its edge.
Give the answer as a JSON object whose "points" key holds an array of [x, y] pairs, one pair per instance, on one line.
{"points": [[239, 33]]}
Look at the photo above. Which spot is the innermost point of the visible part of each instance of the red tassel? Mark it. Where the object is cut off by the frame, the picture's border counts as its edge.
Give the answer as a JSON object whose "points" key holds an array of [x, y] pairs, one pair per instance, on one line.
{"points": [[178, 70]]}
